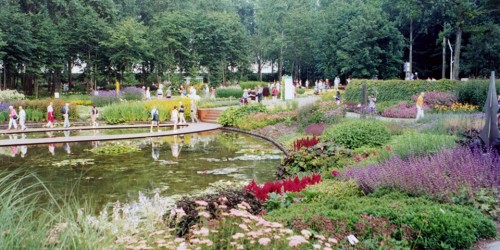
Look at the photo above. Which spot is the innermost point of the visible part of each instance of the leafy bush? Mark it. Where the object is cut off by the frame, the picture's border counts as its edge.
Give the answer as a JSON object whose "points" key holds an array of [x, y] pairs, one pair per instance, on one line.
{"points": [[230, 116], [126, 112], [358, 133], [441, 175], [414, 222], [188, 205], [331, 188], [235, 93], [260, 120], [300, 91], [316, 159], [251, 85], [34, 115], [323, 112], [287, 185]]}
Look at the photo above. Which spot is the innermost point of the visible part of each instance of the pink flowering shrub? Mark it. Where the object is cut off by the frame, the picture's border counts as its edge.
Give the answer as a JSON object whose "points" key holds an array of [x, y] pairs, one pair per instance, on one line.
{"points": [[401, 110], [279, 187], [436, 97]]}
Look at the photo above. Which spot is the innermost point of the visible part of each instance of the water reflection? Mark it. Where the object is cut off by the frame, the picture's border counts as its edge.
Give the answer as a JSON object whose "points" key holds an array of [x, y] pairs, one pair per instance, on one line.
{"points": [[107, 178]]}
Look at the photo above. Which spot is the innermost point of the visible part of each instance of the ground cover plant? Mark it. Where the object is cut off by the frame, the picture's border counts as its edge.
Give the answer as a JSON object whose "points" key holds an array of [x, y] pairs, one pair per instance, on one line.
{"points": [[260, 120], [387, 219], [327, 112], [230, 116]]}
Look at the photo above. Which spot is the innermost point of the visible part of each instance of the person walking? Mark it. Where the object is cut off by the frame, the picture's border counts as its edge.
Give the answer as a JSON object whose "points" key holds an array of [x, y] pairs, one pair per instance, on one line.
{"points": [[148, 94], [194, 112], [50, 115], [212, 94], [372, 102], [12, 118], [337, 97], [275, 93], [420, 106], [22, 118], [94, 113], [159, 92], [174, 117], [182, 119], [155, 119], [65, 113]]}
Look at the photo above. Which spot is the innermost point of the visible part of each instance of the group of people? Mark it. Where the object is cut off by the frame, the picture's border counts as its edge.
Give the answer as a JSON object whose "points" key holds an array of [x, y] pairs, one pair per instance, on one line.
{"points": [[14, 117], [176, 116]]}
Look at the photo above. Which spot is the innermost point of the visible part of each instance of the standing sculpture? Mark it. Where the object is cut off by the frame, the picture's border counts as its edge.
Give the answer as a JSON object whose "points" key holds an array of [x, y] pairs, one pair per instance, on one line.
{"points": [[490, 135]]}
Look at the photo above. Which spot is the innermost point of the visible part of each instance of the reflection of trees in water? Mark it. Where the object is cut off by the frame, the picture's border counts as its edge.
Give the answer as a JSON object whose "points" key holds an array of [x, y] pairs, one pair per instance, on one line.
{"points": [[231, 141]]}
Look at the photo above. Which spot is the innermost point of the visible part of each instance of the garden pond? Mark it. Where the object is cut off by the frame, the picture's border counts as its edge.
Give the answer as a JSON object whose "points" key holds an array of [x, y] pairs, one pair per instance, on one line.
{"points": [[99, 173]]}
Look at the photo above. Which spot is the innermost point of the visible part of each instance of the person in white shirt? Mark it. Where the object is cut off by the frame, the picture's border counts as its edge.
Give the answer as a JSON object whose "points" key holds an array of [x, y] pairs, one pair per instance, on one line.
{"points": [[22, 118]]}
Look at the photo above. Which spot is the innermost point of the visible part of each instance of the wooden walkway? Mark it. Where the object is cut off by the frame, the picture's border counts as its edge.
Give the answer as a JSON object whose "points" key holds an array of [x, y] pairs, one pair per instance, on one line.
{"points": [[191, 128], [38, 130]]}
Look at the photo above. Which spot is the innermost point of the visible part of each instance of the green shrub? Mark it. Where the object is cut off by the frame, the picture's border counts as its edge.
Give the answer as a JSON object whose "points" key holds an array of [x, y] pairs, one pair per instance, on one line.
{"points": [[236, 93], [417, 144], [4, 116], [358, 133], [431, 225], [323, 112], [126, 112], [251, 85], [230, 116], [34, 115], [331, 188], [300, 91]]}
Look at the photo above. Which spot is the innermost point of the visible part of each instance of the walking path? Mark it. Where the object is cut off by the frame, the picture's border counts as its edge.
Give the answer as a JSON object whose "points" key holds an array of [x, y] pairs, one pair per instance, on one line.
{"points": [[35, 130], [192, 128]]}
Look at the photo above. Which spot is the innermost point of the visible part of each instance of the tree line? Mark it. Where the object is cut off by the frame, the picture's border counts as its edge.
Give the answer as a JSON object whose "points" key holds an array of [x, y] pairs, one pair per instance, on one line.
{"points": [[40, 41]]}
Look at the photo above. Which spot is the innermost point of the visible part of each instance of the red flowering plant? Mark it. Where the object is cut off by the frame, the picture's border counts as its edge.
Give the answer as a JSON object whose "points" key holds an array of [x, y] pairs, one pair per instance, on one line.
{"points": [[279, 187], [305, 143]]}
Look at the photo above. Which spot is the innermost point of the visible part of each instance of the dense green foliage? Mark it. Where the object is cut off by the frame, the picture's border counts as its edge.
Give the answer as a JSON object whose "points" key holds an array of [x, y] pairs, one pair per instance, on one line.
{"points": [[114, 39], [224, 93], [230, 116], [430, 225], [358, 133]]}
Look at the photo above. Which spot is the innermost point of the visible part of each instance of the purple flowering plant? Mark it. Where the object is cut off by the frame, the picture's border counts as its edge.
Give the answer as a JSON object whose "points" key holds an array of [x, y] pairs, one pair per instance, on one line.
{"points": [[443, 175]]}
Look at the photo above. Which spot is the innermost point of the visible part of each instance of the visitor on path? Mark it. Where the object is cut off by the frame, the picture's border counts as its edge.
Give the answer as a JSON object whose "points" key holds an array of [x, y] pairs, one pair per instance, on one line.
{"points": [[174, 117], [275, 93], [148, 94], [212, 95], [260, 91], [337, 97], [94, 113], [22, 118], [336, 83], [12, 118], [159, 92], [420, 106], [182, 119], [415, 76], [50, 115], [155, 119], [65, 113], [266, 92], [194, 112], [371, 103], [169, 93]]}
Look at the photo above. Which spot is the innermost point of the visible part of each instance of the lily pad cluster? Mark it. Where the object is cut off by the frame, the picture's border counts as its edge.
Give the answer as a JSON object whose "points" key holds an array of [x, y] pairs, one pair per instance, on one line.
{"points": [[115, 149]]}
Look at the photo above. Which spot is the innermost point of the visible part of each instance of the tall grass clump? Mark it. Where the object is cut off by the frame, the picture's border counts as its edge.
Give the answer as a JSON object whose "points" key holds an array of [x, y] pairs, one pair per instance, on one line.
{"points": [[125, 112], [105, 97], [417, 144], [442, 176]]}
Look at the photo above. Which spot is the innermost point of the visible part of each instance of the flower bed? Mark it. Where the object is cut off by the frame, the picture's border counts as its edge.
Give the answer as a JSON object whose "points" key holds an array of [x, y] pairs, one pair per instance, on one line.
{"points": [[279, 187]]}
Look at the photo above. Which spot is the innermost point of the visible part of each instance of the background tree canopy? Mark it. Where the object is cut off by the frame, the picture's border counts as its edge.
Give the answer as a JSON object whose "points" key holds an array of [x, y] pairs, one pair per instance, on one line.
{"points": [[145, 41]]}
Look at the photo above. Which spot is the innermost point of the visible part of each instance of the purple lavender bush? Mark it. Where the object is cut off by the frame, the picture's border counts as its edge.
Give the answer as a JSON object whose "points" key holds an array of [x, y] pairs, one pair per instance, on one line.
{"points": [[132, 93], [105, 97], [443, 175]]}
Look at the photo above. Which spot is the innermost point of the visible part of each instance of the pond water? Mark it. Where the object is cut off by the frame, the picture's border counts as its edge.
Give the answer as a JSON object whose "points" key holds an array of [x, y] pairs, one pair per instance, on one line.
{"points": [[168, 165]]}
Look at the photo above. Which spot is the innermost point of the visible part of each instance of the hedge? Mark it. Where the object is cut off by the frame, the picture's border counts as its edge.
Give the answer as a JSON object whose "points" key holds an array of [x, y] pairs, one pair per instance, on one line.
{"points": [[251, 85], [223, 93], [472, 91]]}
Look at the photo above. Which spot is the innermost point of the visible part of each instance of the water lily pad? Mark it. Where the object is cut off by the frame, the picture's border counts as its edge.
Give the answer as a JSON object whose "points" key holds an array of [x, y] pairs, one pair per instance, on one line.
{"points": [[74, 162]]}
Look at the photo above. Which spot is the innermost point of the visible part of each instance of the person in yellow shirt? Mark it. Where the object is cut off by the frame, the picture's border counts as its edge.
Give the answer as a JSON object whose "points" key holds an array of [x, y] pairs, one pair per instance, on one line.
{"points": [[420, 106], [117, 84]]}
